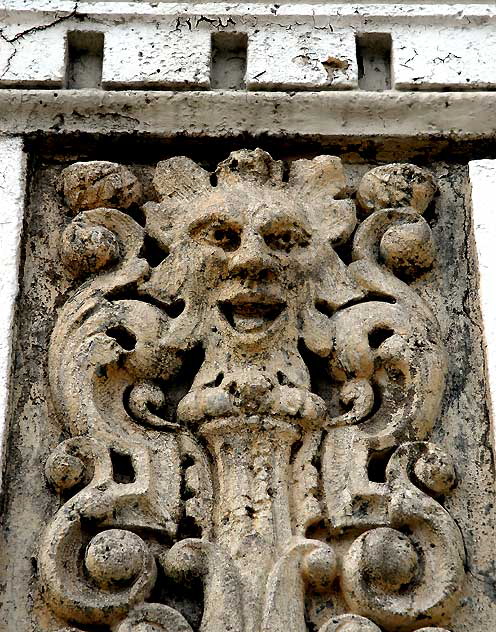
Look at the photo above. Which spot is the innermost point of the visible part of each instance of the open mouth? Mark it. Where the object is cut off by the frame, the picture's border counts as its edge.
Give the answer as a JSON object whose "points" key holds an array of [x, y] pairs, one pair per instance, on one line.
{"points": [[251, 313]]}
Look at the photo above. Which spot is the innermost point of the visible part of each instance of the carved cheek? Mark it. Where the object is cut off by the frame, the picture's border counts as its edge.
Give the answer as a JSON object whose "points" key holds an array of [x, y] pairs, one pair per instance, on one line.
{"points": [[214, 266], [292, 270]]}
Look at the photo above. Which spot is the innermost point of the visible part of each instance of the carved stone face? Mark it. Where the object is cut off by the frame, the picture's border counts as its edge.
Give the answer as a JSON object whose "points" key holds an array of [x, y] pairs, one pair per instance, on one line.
{"points": [[254, 244], [253, 250]]}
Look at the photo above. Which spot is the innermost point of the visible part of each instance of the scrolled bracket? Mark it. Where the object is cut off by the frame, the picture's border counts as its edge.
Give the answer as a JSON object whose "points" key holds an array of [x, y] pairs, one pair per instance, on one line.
{"points": [[90, 573], [409, 573]]}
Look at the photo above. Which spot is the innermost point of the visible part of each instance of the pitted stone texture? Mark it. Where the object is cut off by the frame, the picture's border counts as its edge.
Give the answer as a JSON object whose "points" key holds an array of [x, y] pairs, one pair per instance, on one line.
{"points": [[86, 249], [396, 185], [153, 618], [156, 55], [350, 623], [114, 556], [436, 473], [64, 471], [391, 559], [430, 58], [89, 185], [282, 59]]}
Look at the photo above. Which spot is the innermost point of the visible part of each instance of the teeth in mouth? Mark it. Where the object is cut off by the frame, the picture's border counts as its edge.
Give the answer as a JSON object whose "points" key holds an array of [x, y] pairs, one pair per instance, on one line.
{"points": [[250, 316]]}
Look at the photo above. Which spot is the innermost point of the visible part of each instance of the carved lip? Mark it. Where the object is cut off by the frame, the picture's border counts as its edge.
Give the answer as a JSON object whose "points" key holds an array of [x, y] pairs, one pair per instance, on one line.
{"points": [[250, 312]]}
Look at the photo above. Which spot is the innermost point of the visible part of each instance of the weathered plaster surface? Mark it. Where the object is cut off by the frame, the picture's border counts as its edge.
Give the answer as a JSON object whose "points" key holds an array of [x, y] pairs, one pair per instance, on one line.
{"points": [[151, 55], [33, 53], [340, 113], [291, 47], [12, 183], [432, 58], [300, 60]]}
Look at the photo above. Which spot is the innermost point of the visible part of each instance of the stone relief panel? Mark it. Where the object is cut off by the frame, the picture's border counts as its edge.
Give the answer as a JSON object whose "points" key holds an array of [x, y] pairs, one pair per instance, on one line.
{"points": [[249, 373]]}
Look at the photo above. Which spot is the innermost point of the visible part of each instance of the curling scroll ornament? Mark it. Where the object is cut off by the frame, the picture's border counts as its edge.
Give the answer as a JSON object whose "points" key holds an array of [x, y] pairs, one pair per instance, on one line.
{"points": [[232, 387]]}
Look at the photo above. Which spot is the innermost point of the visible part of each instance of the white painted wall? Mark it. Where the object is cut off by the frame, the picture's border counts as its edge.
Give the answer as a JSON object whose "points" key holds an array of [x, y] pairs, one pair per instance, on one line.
{"points": [[483, 184], [12, 189]]}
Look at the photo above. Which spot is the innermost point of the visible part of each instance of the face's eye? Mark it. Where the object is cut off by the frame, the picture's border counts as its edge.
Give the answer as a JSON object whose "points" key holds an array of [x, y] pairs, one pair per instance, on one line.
{"points": [[220, 233], [285, 236]]}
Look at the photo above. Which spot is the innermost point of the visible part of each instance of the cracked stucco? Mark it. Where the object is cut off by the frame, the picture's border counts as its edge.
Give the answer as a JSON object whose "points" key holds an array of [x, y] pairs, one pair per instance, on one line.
{"points": [[12, 37], [167, 45]]}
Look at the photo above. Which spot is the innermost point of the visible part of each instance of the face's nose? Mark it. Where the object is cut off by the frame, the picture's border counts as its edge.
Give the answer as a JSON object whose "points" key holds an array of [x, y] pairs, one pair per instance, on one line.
{"points": [[253, 259]]}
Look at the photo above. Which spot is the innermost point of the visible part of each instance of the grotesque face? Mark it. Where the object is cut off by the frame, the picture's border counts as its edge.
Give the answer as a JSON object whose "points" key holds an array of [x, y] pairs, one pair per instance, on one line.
{"points": [[255, 247], [253, 242]]}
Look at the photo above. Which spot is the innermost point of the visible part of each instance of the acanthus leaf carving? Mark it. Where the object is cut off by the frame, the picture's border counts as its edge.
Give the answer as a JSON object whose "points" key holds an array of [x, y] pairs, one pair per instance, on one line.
{"points": [[230, 395]]}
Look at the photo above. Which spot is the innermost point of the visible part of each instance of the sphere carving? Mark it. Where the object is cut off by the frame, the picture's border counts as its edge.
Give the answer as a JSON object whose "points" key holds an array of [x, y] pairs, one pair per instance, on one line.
{"points": [[115, 557]]}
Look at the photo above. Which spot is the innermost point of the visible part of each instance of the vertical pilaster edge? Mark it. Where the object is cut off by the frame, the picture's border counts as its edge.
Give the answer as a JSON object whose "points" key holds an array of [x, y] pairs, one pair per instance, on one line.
{"points": [[12, 197], [482, 175]]}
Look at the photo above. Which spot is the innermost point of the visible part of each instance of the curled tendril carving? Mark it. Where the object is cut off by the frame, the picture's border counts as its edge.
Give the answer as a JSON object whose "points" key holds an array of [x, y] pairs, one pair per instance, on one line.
{"points": [[227, 381]]}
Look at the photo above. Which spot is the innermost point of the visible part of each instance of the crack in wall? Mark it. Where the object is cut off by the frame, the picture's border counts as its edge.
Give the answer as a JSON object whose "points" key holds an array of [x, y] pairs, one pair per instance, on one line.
{"points": [[33, 29]]}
